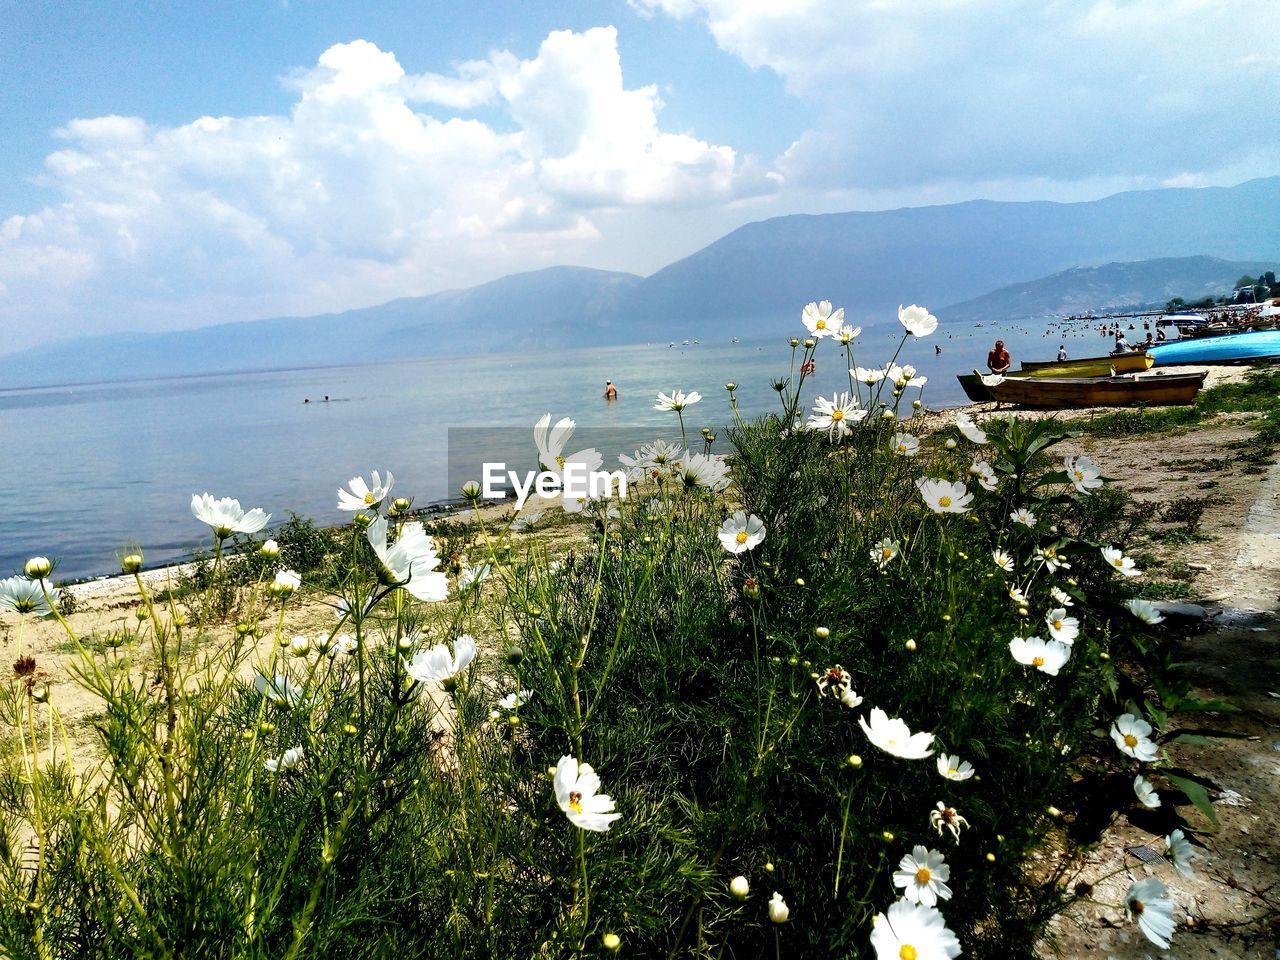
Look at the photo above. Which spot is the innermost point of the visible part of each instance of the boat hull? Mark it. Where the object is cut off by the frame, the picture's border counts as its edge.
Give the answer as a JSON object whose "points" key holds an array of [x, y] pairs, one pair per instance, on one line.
{"points": [[1232, 348], [1048, 393], [1089, 366]]}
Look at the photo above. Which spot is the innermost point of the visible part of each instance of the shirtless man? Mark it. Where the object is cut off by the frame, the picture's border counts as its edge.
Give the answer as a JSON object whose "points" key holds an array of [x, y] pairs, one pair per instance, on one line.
{"points": [[998, 359], [610, 391]]}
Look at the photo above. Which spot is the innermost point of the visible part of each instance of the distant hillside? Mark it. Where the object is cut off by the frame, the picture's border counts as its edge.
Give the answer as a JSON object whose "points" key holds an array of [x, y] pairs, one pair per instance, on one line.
{"points": [[1113, 286], [750, 281]]}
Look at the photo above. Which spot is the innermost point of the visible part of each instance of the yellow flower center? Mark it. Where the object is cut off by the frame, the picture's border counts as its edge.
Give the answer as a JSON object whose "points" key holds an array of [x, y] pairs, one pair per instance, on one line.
{"points": [[368, 498], [1079, 474], [908, 952], [1118, 561], [742, 536], [560, 462], [575, 801], [887, 553], [1130, 740], [1038, 662], [837, 414], [1057, 624], [952, 770], [821, 324], [944, 501], [902, 448], [923, 875]]}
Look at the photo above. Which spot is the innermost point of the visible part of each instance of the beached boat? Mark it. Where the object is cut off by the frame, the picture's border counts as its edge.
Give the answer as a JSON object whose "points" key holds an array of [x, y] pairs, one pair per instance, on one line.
{"points": [[1050, 393], [1232, 348], [1088, 366]]}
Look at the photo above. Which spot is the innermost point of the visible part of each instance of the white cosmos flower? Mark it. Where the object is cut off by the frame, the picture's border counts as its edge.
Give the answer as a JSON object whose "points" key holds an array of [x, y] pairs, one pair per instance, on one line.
{"points": [[884, 551], [473, 575], [904, 376], [1061, 597], [1179, 850], [1148, 903], [1003, 560], [25, 596], [677, 400], [847, 333], [1047, 656], [1016, 594], [290, 759], [943, 496], [1145, 611], [1023, 516], [741, 533], [1145, 792], [706, 471], [948, 818], [912, 930], [362, 495], [778, 910], [1062, 628], [577, 791], [918, 321], [1083, 473], [280, 689], [226, 516], [836, 416], [285, 584], [1052, 561], [409, 562], [439, 663], [863, 375], [953, 768], [965, 424], [527, 521], [904, 444], [1132, 735], [344, 644], [1119, 562], [923, 876], [987, 478], [551, 441], [894, 737], [820, 320], [513, 701]]}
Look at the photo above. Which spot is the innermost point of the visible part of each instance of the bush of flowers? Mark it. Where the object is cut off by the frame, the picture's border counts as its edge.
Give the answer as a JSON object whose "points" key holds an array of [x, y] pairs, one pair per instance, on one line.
{"points": [[839, 694]]}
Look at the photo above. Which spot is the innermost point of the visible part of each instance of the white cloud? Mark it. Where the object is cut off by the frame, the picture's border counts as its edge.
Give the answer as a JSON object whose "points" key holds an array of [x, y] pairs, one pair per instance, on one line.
{"points": [[364, 192], [940, 90]]}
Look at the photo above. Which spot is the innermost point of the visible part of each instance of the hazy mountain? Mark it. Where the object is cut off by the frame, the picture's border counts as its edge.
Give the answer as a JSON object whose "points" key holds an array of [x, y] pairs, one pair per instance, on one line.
{"points": [[1113, 286], [747, 282]]}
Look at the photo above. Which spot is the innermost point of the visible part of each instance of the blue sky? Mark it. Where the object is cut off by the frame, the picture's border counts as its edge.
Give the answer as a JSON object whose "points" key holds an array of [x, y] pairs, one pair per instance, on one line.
{"points": [[177, 164]]}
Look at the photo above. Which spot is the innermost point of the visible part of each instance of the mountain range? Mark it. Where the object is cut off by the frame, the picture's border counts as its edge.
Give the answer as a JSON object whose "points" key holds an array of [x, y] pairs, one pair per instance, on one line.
{"points": [[990, 259]]}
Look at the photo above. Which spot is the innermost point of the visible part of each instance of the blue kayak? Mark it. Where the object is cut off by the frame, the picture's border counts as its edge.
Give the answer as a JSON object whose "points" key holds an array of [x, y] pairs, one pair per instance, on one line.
{"points": [[1231, 348]]}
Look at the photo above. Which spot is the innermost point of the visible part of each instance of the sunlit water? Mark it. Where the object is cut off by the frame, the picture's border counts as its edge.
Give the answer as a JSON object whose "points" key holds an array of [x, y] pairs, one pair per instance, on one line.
{"points": [[91, 468]]}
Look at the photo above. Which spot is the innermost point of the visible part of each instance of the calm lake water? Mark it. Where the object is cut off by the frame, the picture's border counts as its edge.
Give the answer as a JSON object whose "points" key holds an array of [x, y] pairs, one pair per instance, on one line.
{"points": [[90, 468]]}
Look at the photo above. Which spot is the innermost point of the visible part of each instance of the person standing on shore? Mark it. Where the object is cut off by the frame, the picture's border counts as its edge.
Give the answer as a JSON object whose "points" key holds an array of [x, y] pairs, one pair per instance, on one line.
{"points": [[1062, 352], [610, 391], [998, 359]]}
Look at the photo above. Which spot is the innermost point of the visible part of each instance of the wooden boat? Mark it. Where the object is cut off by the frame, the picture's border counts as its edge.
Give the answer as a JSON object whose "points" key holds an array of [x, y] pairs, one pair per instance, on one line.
{"points": [[1232, 348], [1088, 366], [1056, 393]]}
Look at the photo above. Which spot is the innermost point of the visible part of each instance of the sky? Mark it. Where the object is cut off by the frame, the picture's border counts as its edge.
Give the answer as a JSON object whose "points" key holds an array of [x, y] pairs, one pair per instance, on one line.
{"points": [[170, 164]]}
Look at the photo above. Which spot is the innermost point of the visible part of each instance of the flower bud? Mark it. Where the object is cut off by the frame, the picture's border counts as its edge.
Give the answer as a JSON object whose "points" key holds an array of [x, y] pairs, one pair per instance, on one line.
{"points": [[349, 729], [740, 888], [799, 581], [41, 693], [611, 942], [751, 588], [854, 761], [269, 549], [991, 858], [404, 643], [131, 563], [888, 415], [38, 568], [515, 655], [471, 490], [299, 646], [768, 867], [266, 726], [916, 404], [731, 386], [950, 444], [795, 342], [822, 633], [810, 343], [362, 520], [946, 618], [888, 836], [494, 714], [779, 912], [910, 645], [513, 720]]}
